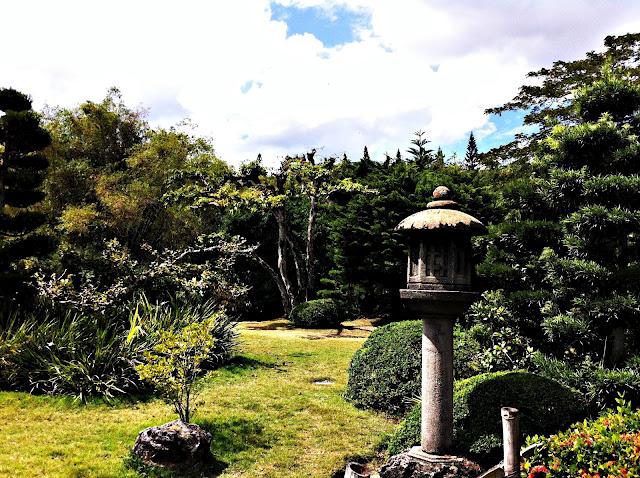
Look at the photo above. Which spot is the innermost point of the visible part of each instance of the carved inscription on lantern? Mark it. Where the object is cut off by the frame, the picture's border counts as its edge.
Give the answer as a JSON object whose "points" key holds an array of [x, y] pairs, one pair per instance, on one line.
{"points": [[439, 262]]}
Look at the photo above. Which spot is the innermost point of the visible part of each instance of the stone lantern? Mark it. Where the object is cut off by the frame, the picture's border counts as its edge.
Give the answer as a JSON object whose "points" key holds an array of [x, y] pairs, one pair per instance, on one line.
{"points": [[440, 277]]}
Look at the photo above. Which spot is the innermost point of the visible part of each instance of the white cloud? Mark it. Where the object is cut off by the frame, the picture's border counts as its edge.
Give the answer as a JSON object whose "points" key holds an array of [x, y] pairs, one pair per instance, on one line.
{"points": [[196, 58]]}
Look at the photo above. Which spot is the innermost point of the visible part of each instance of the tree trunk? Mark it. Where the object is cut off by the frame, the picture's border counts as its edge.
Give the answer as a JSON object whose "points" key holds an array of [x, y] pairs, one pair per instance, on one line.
{"points": [[299, 266], [311, 253], [283, 267], [615, 346], [285, 299]]}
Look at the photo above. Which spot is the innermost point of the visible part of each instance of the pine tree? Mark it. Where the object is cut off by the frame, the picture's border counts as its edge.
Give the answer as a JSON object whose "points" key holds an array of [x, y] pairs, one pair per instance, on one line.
{"points": [[439, 159], [421, 155], [568, 254], [21, 173], [365, 166], [472, 157], [398, 158]]}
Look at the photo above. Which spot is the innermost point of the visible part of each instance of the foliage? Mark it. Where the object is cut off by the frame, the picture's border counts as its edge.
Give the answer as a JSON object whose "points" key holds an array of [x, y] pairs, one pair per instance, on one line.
{"points": [[472, 156], [608, 446], [22, 167], [175, 362], [318, 313], [598, 384], [384, 374], [71, 353], [203, 272], [51, 352], [545, 406]]}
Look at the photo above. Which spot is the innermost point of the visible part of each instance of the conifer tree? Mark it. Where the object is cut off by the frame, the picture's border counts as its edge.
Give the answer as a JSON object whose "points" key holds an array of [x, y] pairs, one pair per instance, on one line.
{"points": [[365, 166], [421, 155], [21, 173], [472, 157], [439, 159], [568, 254]]}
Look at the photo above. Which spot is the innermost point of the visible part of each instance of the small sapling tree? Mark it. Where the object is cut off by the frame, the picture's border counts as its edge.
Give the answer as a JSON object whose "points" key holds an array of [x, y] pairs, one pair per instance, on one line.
{"points": [[174, 364]]}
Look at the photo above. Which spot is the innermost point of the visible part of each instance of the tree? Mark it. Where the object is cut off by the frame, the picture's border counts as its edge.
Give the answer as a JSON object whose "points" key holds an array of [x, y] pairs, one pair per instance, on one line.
{"points": [[472, 157], [421, 155], [568, 253], [439, 160], [175, 363], [299, 178], [548, 100], [22, 164]]}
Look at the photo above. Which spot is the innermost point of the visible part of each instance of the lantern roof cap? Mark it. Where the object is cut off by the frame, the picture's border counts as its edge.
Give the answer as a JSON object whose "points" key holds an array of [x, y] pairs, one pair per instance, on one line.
{"points": [[442, 214]]}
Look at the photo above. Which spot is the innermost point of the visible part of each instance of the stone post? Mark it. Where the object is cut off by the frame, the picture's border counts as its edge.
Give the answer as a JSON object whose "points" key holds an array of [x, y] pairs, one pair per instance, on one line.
{"points": [[437, 386], [510, 441]]}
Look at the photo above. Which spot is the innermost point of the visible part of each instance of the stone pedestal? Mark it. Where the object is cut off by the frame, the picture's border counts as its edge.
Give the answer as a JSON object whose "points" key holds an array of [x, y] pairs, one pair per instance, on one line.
{"points": [[438, 311]]}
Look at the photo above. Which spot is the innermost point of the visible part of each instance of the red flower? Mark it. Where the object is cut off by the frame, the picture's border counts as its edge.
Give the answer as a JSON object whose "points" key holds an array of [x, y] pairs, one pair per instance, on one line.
{"points": [[539, 471]]}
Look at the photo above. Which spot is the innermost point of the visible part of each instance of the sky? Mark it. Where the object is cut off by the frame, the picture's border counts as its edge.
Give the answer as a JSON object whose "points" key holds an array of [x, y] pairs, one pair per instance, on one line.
{"points": [[281, 77]]}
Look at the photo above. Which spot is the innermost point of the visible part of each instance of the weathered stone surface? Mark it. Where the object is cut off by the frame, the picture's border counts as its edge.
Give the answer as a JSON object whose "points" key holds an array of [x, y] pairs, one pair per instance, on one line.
{"points": [[175, 445], [405, 466]]}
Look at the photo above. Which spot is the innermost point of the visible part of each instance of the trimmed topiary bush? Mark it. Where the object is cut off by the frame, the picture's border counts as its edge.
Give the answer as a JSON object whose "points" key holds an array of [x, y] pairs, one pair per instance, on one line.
{"points": [[385, 373], [545, 407], [319, 313]]}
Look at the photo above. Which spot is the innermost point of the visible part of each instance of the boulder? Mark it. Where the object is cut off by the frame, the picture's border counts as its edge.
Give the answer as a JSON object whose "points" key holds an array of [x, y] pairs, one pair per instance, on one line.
{"points": [[175, 445], [405, 466]]}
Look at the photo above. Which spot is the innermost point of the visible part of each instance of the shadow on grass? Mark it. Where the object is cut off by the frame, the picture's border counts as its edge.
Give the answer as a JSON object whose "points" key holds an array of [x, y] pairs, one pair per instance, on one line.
{"points": [[144, 470], [234, 435]]}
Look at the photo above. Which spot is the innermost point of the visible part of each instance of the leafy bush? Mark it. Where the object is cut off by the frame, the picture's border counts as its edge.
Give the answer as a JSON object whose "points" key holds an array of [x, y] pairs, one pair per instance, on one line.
{"points": [[73, 353], [545, 407], [385, 373], [599, 385], [319, 313], [608, 446], [174, 364]]}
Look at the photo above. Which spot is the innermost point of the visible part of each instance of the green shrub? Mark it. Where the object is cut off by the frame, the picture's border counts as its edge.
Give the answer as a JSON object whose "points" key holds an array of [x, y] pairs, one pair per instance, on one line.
{"points": [[608, 446], [545, 407], [72, 353], [599, 385], [319, 313], [385, 373]]}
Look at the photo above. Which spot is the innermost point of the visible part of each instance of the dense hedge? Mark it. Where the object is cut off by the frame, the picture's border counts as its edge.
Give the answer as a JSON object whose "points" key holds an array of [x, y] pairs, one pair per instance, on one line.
{"points": [[385, 373], [545, 407], [319, 313]]}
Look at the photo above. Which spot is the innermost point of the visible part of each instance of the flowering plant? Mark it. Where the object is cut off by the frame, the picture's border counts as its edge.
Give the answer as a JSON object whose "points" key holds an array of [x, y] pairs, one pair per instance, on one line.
{"points": [[608, 447]]}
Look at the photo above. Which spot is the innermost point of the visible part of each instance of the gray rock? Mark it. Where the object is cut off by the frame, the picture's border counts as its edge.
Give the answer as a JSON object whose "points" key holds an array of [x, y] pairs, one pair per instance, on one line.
{"points": [[405, 466], [175, 445]]}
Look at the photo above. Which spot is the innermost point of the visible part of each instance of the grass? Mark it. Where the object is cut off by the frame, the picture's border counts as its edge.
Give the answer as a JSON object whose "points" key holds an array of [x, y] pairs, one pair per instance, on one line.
{"points": [[267, 416]]}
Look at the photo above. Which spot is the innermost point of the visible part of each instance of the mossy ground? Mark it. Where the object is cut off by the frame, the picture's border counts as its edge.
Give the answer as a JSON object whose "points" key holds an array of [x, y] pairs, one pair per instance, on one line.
{"points": [[267, 416]]}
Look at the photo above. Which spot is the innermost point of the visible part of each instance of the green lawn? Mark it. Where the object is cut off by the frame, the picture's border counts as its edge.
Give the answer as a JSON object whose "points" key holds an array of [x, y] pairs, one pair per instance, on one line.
{"points": [[267, 416]]}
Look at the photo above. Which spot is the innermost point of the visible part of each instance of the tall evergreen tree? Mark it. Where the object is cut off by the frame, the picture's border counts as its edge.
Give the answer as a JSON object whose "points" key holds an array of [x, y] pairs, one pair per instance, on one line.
{"points": [[21, 173], [421, 155], [472, 156], [439, 159], [568, 254], [366, 165]]}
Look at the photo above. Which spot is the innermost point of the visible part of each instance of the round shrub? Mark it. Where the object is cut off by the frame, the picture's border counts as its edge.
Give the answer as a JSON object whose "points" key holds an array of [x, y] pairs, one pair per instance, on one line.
{"points": [[319, 313], [385, 373], [545, 407]]}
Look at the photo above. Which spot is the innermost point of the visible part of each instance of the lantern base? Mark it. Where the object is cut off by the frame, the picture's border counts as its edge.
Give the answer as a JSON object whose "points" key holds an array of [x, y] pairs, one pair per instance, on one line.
{"points": [[439, 303], [419, 454]]}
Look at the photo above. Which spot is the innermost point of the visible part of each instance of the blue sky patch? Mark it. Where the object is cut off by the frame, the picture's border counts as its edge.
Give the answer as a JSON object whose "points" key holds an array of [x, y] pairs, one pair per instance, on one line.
{"points": [[247, 85], [332, 28], [507, 125]]}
